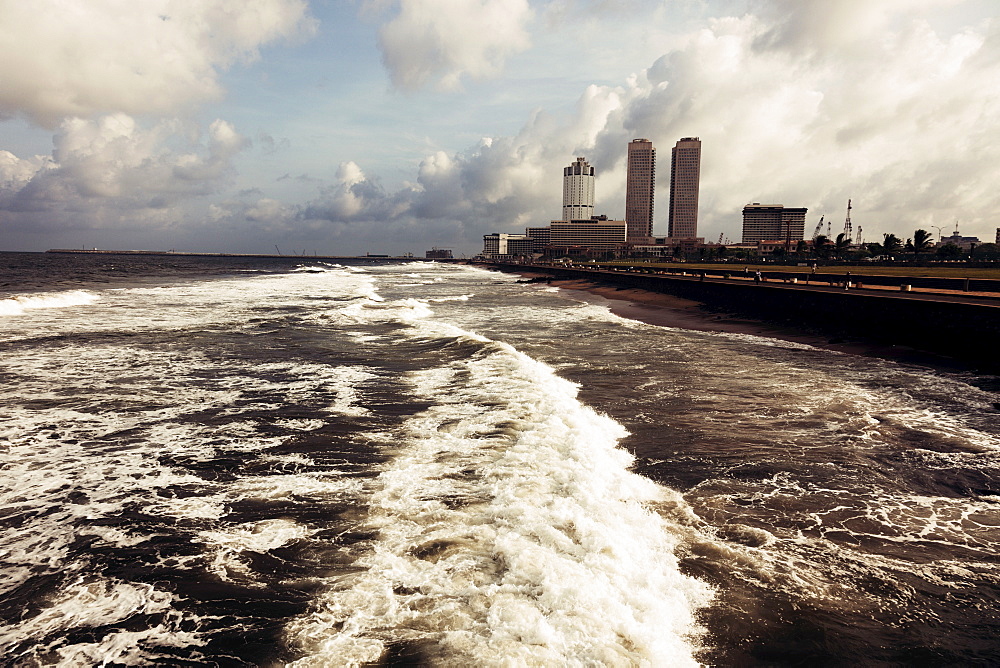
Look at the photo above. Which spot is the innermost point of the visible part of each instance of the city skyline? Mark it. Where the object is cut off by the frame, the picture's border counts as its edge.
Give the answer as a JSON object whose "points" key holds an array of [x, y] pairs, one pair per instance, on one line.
{"points": [[394, 127]]}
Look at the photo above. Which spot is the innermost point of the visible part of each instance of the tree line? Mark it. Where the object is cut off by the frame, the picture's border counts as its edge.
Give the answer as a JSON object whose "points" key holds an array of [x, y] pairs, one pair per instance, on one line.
{"points": [[840, 247]]}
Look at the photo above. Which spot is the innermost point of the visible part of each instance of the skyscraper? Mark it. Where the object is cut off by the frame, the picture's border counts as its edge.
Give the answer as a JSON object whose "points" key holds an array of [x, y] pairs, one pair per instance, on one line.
{"points": [[639, 189], [578, 191], [685, 173]]}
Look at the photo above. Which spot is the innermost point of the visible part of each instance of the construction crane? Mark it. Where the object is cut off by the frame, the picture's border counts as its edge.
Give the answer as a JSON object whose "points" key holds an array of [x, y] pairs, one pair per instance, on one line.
{"points": [[819, 228], [848, 231]]}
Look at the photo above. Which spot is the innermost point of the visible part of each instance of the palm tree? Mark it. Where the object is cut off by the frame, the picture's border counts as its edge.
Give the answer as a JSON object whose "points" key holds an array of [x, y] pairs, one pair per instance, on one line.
{"points": [[921, 240], [842, 244], [821, 245], [891, 244]]}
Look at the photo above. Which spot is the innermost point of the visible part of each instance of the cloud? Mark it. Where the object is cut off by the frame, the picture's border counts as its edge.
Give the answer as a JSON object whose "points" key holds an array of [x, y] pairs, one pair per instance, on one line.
{"points": [[441, 41], [154, 57], [890, 107], [106, 170], [269, 145], [493, 181], [881, 108]]}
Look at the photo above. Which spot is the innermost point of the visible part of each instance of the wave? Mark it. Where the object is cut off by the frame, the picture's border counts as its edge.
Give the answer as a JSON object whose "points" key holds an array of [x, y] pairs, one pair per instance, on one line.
{"points": [[510, 531], [96, 604], [452, 298], [19, 304]]}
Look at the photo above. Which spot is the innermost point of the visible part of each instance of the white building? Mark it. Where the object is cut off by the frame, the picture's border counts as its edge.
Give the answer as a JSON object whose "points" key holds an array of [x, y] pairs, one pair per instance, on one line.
{"points": [[965, 243], [578, 191]]}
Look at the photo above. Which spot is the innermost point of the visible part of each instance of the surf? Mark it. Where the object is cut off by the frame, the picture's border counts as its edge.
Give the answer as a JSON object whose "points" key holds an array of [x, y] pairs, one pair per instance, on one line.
{"points": [[509, 529]]}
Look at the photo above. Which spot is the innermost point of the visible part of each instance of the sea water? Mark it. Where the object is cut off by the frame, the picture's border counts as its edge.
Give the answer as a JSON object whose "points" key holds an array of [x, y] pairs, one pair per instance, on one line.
{"points": [[235, 461]]}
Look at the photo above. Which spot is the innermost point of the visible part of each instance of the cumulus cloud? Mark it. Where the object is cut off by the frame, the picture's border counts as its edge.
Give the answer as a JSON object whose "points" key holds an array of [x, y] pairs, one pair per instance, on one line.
{"points": [[157, 56], [880, 107], [441, 41], [886, 111], [886, 105], [105, 169]]}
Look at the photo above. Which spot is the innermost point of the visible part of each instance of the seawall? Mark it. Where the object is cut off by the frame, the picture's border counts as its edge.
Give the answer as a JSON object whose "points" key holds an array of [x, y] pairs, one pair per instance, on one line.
{"points": [[954, 327]]}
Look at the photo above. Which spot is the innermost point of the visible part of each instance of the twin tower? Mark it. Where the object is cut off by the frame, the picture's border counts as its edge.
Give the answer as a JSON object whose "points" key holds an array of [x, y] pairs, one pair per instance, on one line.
{"points": [[685, 172]]}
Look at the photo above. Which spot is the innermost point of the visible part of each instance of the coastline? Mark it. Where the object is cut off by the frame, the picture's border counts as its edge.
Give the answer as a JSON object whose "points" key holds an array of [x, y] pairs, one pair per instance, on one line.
{"points": [[664, 310]]}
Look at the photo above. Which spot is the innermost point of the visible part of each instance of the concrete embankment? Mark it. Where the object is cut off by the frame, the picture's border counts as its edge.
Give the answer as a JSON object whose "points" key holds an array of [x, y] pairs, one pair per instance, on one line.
{"points": [[852, 274], [960, 328]]}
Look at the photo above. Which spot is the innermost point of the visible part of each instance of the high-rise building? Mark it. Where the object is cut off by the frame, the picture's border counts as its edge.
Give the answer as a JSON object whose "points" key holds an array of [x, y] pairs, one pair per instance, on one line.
{"points": [[685, 173], [773, 222], [639, 190], [578, 191]]}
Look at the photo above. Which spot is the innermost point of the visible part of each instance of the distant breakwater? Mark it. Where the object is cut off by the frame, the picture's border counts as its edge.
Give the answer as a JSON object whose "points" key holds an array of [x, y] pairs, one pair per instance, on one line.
{"points": [[392, 258], [954, 327]]}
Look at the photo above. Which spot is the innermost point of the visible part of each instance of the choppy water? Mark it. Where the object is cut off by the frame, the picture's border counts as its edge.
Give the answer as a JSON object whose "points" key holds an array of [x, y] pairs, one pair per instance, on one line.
{"points": [[268, 462]]}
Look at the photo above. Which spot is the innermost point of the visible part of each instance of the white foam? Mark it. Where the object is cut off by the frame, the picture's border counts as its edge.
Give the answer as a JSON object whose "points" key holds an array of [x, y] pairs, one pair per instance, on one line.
{"points": [[453, 298], [19, 304], [512, 533], [227, 547], [301, 425], [97, 603], [322, 267], [100, 420], [109, 459]]}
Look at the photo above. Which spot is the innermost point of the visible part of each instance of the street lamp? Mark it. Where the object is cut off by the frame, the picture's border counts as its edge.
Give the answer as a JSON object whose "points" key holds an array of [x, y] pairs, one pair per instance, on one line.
{"points": [[939, 232]]}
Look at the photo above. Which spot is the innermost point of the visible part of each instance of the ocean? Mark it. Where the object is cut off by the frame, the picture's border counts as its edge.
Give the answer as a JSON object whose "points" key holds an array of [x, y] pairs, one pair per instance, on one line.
{"points": [[293, 462]]}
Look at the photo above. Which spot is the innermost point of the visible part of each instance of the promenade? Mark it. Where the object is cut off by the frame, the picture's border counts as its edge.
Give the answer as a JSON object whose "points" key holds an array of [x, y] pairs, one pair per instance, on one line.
{"points": [[861, 284], [946, 321]]}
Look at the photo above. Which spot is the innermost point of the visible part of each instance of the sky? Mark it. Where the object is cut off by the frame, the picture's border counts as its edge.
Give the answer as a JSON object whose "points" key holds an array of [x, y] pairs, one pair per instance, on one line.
{"points": [[393, 126]]}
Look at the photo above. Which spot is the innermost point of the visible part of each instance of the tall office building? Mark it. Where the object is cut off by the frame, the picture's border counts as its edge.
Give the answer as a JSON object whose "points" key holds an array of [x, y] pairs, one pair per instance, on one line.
{"points": [[639, 190], [685, 173], [578, 191], [773, 222]]}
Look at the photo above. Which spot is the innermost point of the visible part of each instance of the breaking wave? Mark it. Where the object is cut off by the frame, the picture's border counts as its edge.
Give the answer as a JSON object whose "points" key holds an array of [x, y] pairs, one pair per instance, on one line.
{"points": [[21, 303]]}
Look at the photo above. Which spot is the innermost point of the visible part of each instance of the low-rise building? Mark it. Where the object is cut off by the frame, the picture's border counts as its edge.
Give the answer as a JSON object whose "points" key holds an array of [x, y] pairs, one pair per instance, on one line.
{"points": [[762, 222], [956, 239], [769, 246], [503, 246], [541, 236], [685, 245], [597, 233]]}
